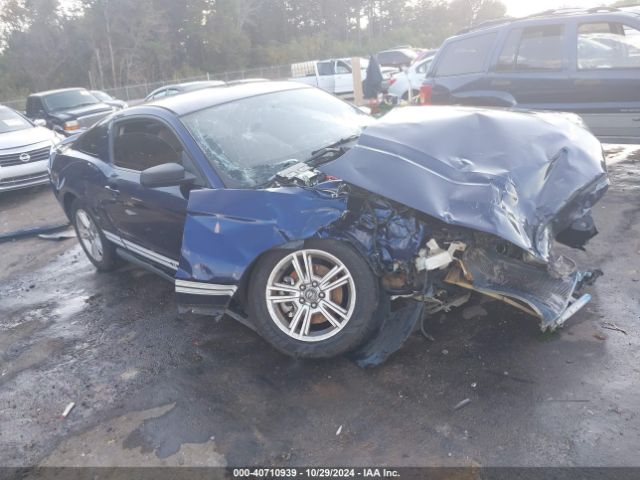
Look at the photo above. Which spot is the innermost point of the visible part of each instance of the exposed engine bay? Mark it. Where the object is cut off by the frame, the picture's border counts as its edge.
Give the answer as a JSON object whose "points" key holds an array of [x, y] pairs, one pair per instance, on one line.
{"points": [[426, 260]]}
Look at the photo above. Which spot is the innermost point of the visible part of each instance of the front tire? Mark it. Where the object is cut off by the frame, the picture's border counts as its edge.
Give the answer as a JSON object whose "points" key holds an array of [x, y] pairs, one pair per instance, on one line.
{"points": [[98, 249], [315, 302]]}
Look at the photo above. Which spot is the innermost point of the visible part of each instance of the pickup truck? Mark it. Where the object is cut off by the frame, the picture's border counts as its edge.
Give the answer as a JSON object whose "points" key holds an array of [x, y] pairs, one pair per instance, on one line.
{"points": [[67, 111], [334, 75]]}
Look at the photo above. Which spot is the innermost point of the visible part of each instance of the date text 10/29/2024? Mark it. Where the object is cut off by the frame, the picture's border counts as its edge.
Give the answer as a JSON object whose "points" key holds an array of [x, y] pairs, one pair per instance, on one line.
{"points": [[315, 473]]}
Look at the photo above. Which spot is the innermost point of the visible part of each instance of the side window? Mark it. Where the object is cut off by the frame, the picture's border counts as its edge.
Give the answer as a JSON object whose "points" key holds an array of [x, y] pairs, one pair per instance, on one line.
{"points": [[466, 56], [95, 142], [507, 58], [606, 45], [342, 68], [34, 107], [541, 48], [325, 68], [142, 144], [394, 57], [160, 94], [384, 58], [423, 67]]}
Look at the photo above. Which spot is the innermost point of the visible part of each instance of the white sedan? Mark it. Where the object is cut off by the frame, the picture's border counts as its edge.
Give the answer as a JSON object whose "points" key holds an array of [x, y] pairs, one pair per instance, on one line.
{"points": [[408, 81]]}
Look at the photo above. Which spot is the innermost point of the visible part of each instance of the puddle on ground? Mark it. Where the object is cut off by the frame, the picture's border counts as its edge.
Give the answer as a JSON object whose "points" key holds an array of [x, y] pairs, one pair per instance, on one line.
{"points": [[623, 163], [103, 446], [70, 306]]}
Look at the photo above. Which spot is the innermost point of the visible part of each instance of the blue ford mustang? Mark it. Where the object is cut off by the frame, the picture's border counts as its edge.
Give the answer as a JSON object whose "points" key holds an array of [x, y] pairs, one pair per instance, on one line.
{"points": [[325, 230]]}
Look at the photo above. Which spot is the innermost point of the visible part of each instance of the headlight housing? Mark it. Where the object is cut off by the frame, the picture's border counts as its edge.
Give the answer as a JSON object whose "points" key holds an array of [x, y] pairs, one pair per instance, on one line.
{"points": [[71, 126]]}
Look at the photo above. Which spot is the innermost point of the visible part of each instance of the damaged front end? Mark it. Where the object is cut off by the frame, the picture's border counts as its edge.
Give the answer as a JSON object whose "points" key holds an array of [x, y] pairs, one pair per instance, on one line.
{"points": [[456, 201], [424, 259], [441, 203]]}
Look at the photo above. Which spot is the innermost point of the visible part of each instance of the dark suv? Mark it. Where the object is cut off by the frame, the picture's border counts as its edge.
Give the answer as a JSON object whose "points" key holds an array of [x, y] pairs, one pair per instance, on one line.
{"points": [[67, 111], [581, 61]]}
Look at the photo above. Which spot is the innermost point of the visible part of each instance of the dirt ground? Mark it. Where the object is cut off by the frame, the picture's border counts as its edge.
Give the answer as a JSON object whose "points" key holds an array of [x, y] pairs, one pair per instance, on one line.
{"points": [[152, 388]]}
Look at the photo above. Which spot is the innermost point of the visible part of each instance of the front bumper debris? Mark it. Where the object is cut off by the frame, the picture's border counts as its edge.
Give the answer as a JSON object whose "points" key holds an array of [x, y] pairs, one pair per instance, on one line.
{"points": [[535, 289]]}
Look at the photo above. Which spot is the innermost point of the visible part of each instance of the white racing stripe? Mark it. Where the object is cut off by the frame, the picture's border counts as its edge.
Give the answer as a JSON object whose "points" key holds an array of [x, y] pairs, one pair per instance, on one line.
{"points": [[200, 288], [182, 286], [151, 255], [143, 252], [113, 238]]}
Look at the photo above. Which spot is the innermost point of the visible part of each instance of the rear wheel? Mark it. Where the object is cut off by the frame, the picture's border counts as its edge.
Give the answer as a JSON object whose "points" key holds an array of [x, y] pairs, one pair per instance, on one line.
{"points": [[316, 302], [98, 249]]}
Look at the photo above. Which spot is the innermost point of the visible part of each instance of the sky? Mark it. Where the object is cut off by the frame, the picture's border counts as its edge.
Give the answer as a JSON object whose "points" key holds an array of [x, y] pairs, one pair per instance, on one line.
{"points": [[520, 8]]}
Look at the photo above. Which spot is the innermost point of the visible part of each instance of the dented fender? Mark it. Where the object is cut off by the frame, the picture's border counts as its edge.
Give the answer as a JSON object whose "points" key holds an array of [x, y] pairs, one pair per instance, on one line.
{"points": [[227, 230]]}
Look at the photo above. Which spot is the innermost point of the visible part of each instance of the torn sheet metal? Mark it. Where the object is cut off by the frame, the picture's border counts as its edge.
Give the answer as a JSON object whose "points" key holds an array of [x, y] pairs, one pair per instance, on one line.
{"points": [[522, 177], [532, 288]]}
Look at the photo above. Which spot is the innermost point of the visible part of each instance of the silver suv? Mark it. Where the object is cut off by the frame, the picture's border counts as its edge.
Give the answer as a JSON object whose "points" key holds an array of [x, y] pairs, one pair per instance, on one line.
{"points": [[24, 151]]}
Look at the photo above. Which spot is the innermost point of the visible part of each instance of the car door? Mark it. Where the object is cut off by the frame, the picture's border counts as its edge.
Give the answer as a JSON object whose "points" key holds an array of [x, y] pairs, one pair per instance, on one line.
{"points": [[149, 221], [459, 76], [531, 67], [343, 77], [605, 78], [327, 76], [416, 75]]}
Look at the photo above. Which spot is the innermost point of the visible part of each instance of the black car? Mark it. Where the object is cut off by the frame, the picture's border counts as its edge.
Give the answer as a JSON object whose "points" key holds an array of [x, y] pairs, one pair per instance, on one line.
{"points": [[581, 61], [326, 230], [397, 58], [67, 111]]}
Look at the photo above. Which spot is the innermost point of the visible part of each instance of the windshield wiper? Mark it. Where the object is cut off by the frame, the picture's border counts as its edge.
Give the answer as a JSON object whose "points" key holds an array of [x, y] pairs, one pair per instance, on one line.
{"points": [[334, 150], [342, 141]]}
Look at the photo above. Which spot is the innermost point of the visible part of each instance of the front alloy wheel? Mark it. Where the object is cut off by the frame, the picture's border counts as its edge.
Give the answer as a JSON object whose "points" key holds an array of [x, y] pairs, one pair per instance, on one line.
{"points": [[311, 295], [314, 302]]}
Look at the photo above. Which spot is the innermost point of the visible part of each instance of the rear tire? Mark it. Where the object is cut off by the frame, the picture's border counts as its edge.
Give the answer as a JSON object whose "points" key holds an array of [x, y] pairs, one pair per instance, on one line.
{"points": [[100, 251], [321, 315]]}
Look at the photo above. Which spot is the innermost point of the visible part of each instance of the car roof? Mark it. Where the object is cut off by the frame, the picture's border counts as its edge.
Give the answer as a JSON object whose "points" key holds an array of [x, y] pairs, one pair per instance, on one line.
{"points": [[190, 102], [593, 14], [60, 90], [406, 51], [186, 85]]}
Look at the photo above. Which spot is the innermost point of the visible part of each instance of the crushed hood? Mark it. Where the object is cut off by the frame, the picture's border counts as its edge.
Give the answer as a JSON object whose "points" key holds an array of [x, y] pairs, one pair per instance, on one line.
{"points": [[521, 176]]}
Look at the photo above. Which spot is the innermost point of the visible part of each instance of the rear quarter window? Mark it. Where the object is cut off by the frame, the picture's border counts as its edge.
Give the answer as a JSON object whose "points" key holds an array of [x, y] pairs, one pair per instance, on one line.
{"points": [[607, 45], [95, 142], [466, 56]]}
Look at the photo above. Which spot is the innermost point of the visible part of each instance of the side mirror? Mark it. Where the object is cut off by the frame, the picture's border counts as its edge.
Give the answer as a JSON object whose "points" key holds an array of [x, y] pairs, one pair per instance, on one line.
{"points": [[40, 122], [165, 175]]}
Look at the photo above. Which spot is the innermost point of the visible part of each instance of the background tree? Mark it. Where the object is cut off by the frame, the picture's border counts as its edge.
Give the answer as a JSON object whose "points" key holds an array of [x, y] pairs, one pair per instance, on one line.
{"points": [[111, 43]]}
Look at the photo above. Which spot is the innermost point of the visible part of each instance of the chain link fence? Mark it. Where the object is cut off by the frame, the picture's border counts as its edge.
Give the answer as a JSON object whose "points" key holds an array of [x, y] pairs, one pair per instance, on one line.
{"points": [[136, 93]]}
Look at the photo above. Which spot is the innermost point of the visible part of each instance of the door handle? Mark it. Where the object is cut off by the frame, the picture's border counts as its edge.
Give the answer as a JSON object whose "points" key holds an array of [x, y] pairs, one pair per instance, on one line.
{"points": [[500, 83], [112, 189]]}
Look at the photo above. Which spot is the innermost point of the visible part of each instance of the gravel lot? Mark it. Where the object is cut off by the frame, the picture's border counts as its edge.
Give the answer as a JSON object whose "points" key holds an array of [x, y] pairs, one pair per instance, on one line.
{"points": [[152, 388]]}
